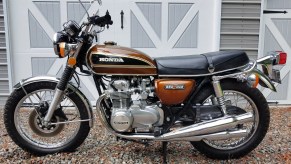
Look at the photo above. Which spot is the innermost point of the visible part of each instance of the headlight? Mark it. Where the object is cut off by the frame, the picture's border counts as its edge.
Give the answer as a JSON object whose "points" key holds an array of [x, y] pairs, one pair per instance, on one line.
{"points": [[64, 49], [58, 38]]}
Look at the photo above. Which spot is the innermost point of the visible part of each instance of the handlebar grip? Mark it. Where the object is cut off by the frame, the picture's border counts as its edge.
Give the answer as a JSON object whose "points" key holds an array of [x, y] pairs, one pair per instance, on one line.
{"points": [[99, 20], [102, 21]]}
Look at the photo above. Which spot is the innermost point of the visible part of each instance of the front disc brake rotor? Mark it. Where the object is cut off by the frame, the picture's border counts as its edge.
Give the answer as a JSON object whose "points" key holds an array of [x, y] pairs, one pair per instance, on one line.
{"points": [[37, 127]]}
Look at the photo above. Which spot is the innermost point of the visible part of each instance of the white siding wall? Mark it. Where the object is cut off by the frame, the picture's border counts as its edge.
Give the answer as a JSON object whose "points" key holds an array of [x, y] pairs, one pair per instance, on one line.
{"points": [[240, 25], [239, 29], [4, 80]]}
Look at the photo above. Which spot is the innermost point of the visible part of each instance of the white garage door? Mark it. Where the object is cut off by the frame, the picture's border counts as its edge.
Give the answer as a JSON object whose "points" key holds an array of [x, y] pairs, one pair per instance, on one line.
{"points": [[276, 36], [157, 27]]}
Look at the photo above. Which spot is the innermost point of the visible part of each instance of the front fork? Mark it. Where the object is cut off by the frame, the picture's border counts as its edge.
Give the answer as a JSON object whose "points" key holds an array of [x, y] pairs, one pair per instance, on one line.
{"points": [[59, 93]]}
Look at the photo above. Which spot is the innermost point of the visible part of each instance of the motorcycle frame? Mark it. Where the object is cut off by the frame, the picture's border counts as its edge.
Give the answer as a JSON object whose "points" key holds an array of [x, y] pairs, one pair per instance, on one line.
{"points": [[185, 108], [80, 52], [188, 106]]}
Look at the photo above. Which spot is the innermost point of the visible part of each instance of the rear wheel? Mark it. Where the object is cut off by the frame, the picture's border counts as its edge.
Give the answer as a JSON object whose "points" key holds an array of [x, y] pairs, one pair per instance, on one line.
{"points": [[23, 114], [247, 99]]}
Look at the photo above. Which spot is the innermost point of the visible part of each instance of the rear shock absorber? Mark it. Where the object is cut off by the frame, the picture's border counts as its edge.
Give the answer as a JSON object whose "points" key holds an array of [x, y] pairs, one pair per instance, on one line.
{"points": [[219, 95]]}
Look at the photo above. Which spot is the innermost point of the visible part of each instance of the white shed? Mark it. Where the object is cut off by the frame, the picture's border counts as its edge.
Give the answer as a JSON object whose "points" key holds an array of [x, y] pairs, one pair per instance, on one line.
{"points": [[157, 27]]}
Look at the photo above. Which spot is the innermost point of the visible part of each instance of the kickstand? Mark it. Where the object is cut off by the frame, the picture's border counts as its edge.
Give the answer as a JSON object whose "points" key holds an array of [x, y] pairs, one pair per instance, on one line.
{"points": [[165, 152]]}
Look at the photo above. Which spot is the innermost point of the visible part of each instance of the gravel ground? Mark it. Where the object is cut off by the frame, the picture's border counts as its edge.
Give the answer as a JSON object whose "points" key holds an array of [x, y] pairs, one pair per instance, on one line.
{"points": [[100, 147]]}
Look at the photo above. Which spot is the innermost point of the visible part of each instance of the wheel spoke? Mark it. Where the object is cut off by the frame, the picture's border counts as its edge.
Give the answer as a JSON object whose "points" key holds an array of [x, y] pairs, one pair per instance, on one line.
{"points": [[245, 103], [29, 124]]}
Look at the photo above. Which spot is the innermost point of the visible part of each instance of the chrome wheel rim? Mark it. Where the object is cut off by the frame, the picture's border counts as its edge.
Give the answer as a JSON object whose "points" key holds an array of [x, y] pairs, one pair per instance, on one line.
{"points": [[26, 116], [244, 102]]}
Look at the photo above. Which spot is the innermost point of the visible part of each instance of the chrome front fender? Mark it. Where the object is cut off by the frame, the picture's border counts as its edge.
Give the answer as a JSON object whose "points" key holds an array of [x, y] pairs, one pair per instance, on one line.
{"points": [[87, 103], [264, 79]]}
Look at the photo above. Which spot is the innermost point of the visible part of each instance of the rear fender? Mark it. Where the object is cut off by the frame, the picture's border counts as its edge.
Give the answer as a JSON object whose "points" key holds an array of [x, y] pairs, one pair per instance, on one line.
{"points": [[87, 103], [265, 81]]}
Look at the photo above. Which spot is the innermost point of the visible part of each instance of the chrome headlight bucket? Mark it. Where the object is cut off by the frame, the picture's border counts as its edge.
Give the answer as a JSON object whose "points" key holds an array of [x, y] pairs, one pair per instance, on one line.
{"points": [[66, 48], [58, 38]]}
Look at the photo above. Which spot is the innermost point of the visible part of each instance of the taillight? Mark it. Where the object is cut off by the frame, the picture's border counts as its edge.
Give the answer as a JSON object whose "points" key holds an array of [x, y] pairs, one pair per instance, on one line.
{"points": [[282, 58]]}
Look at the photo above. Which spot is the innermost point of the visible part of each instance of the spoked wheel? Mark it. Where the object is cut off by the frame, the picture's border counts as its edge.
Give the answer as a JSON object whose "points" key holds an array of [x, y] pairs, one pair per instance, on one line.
{"points": [[23, 120], [247, 100]]}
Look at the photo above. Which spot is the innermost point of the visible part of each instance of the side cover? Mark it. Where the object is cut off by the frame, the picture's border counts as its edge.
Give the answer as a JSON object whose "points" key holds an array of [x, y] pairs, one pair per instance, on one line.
{"points": [[174, 91]]}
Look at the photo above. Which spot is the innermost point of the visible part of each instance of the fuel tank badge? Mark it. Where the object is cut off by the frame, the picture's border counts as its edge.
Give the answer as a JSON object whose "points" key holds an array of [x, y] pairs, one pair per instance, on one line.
{"points": [[174, 87], [118, 60]]}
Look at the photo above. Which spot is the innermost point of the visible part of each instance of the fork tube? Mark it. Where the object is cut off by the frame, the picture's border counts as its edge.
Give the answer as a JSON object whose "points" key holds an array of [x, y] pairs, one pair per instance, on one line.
{"points": [[60, 91], [62, 84]]}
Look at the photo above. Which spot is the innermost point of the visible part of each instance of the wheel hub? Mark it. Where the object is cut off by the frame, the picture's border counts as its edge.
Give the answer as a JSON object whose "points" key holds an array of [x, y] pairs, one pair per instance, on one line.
{"points": [[36, 125]]}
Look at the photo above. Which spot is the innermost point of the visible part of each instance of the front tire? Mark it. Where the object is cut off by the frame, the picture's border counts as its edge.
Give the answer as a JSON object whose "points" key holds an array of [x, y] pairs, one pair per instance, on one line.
{"points": [[22, 115], [210, 149]]}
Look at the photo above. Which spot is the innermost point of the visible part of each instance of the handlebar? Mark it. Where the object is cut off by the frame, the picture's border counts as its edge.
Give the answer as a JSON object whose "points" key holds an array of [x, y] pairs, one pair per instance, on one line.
{"points": [[101, 21]]}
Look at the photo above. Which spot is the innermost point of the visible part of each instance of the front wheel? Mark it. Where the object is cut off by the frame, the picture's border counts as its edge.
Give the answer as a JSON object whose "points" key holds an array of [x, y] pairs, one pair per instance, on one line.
{"points": [[248, 99], [23, 115]]}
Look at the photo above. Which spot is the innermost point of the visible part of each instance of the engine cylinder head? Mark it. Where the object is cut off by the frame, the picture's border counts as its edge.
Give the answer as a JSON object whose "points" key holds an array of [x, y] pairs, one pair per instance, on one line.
{"points": [[120, 94]]}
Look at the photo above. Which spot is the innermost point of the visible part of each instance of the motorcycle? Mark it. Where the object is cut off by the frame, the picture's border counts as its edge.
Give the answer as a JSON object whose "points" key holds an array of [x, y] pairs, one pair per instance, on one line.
{"points": [[210, 100]]}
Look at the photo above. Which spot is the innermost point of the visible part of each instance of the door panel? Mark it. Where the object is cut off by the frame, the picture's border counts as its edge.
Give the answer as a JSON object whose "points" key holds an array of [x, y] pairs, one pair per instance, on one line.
{"points": [[275, 36], [168, 27], [33, 26], [158, 27]]}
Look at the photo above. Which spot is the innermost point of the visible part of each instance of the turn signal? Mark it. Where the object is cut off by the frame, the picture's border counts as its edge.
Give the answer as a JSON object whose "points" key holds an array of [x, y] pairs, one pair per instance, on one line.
{"points": [[72, 61], [253, 80]]}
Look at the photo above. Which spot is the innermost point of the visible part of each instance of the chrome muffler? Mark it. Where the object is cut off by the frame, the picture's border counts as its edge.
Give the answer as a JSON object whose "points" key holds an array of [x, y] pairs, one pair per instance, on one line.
{"points": [[215, 129], [209, 127], [215, 136]]}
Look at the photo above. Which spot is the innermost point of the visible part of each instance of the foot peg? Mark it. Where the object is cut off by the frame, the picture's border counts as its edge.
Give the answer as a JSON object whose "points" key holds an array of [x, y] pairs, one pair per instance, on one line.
{"points": [[157, 131]]}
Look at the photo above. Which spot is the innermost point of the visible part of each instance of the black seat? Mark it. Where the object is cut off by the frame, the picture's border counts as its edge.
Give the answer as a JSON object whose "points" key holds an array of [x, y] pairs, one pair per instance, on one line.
{"points": [[199, 64]]}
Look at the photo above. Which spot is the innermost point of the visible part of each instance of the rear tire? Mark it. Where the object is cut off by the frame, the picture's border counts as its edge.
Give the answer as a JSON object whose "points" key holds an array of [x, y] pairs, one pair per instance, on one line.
{"points": [[264, 118], [25, 142]]}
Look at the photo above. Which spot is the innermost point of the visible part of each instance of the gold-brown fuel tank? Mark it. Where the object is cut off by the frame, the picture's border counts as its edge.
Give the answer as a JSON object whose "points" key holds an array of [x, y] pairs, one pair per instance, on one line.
{"points": [[116, 60]]}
